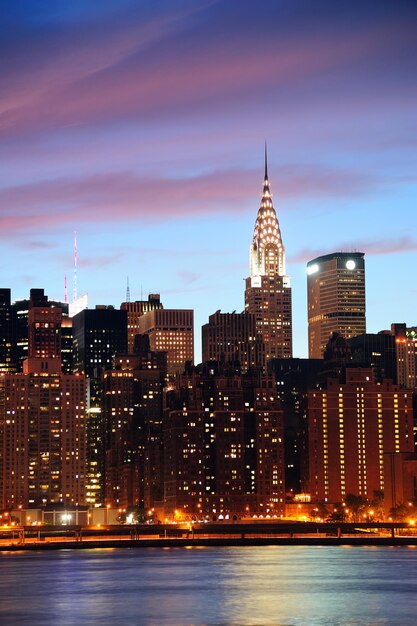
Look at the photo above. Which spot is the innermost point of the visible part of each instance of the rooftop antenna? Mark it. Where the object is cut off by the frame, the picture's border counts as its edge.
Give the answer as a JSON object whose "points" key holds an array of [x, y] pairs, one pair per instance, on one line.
{"points": [[266, 162], [74, 295], [127, 291], [65, 289]]}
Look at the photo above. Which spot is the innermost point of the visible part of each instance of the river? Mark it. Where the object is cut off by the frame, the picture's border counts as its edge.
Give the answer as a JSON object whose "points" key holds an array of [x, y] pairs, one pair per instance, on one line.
{"points": [[239, 586]]}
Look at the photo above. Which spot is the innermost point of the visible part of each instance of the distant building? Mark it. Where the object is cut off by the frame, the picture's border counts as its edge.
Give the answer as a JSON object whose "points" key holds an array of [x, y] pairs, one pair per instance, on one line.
{"points": [[294, 377], [268, 290], [352, 425], [8, 321], [22, 329], [98, 335], [170, 331], [135, 310], [233, 338], [42, 420], [133, 412], [336, 298]]}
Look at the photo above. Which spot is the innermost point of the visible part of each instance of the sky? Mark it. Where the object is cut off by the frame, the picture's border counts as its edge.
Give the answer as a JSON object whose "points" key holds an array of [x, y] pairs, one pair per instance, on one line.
{"points": [[141, 125]]}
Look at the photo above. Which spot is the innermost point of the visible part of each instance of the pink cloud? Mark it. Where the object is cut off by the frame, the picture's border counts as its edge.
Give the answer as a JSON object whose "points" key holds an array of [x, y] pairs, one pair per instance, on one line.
{"points": [[131, 72], [383, 246], [108, 198]]}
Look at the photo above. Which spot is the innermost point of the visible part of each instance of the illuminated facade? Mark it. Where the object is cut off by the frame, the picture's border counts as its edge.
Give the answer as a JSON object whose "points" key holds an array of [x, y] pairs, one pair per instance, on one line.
{"points": [[336, 299], [170, 331], [98, 335], [268, 289], [42, 420], [133, 410], [223, 446], [351, 427], [232, 338], [135, 310]]}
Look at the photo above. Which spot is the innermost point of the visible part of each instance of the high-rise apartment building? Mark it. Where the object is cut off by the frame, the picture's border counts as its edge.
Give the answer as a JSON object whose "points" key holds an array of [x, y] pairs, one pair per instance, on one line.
{"points": [[223, 445], [233, 338], [336, 298], [133, 411], [98, 335], [135, 310], [268, 290], [170, 331], [42, 420], [352, 426]]}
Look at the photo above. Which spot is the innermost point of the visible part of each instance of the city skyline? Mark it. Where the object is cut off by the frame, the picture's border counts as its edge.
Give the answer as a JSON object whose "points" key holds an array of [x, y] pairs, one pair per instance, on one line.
{"points": [[142, 128]]}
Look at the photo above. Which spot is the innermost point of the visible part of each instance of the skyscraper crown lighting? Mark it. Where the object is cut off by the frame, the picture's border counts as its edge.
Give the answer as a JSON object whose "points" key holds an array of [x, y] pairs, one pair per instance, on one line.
{"points": [[267, 252]]}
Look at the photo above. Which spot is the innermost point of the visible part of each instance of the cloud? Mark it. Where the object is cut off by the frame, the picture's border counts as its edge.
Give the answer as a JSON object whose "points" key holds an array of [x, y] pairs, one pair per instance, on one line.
{"points": [[382, 246], [108, 198], [174, 64], [188, 277]]}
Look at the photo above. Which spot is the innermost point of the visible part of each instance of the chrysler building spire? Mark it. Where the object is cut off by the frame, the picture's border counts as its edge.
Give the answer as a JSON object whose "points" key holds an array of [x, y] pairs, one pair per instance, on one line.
{"points": [[268, 289], [267, 252]]}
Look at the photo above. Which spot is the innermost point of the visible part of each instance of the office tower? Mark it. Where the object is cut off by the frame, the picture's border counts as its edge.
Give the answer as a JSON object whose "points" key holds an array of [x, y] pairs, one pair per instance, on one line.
{"points": [[22, 326], [336, 298], [98, 335], [223, 445], [233, 338], [268, 290], [132, 411], [42, 420], [134, 311], [352, 426], [8, 322], [170, 331]]}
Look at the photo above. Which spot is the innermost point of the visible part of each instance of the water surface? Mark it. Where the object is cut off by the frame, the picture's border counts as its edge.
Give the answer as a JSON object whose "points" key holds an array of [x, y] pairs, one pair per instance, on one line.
{"points": [[238, 586]]}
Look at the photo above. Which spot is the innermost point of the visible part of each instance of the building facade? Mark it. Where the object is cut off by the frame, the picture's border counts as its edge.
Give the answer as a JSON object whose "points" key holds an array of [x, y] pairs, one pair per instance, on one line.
{"points": [[223, 446], [352, 425], [170, 331], [135, 310], [268, 289], [336, 299], [233, 338], [42, 420]]}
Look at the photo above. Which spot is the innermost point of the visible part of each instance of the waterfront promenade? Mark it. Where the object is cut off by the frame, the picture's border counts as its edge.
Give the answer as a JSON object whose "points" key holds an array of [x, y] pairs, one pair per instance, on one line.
{"points": [[211, 534]]}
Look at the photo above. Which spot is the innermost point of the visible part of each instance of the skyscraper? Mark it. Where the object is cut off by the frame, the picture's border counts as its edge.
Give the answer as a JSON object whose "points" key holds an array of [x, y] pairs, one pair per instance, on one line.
{"points": [[170, 331], [268, 290], [336, 298], [135, 310], [42, 420]]}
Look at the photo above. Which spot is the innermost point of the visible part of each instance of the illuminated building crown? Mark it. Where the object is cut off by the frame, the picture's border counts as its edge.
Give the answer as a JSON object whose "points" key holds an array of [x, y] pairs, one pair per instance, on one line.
{"points": [[267, 252]]}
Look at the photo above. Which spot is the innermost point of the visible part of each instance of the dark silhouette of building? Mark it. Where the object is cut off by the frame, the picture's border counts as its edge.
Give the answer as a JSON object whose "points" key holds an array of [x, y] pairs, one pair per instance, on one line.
{"points": [[233, 338], [8, 321]]}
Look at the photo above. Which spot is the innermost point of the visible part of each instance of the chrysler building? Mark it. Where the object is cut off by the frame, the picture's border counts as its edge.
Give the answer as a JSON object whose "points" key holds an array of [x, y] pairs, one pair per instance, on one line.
{"points": [[268, 290]]}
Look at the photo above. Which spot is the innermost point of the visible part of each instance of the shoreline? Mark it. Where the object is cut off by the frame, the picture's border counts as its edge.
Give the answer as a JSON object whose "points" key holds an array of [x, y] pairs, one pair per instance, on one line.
{"points": [[201, 542]]}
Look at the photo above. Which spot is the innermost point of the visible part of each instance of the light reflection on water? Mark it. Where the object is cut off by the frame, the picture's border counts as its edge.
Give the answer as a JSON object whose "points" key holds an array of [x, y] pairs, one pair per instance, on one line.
{"points": [[275, 586]]}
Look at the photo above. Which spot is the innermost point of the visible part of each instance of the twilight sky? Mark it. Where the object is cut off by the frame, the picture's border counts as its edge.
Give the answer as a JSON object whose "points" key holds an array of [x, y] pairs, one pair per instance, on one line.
{"points": [[141, 124]]}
